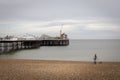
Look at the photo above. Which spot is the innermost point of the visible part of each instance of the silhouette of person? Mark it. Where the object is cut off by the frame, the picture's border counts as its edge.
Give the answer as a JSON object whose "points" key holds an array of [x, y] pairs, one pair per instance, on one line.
{"points": [[95, 58]]}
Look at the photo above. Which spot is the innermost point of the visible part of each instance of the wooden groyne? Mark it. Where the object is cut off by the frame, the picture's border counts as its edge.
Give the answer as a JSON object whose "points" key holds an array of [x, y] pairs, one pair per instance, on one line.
{"points": [[12, 45]]}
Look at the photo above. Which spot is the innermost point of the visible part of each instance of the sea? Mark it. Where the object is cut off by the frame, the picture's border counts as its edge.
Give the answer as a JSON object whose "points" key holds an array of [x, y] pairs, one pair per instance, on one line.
{"points": [[77, 50]]}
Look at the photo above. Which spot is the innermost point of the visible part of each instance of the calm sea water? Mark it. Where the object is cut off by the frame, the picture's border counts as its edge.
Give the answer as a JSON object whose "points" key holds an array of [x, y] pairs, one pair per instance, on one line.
{"points": [[78, 50]]}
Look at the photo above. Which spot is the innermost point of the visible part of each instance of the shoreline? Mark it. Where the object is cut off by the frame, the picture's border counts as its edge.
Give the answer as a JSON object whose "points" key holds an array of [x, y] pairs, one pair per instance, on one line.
{"points": [[22, 69], [99, 62]]}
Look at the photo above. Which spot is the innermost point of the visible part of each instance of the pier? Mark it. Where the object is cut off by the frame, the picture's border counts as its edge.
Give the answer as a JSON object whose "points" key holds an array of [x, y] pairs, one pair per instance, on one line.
{"points": [[13, 45]]}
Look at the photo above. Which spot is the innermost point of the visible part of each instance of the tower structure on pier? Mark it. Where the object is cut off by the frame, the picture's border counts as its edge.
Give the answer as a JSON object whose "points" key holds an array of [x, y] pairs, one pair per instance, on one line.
{"points": [[62, 35]]}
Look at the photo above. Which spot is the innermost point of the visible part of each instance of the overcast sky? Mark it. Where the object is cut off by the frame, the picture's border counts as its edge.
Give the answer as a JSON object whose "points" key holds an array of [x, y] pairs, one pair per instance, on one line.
{"points": [[81, 19]]}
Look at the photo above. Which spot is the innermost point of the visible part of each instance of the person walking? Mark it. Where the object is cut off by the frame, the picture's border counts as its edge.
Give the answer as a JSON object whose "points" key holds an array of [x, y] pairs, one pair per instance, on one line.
{"points": [[95, 58]]}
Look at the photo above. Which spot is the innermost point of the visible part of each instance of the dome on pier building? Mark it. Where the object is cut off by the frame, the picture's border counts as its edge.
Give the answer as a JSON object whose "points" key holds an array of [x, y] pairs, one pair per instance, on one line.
{"points": [[63, 36]]}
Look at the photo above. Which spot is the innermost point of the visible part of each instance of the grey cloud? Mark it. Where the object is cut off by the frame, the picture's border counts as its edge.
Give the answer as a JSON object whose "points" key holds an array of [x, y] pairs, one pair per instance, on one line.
{"points": [[58, 9], [50, 10]]}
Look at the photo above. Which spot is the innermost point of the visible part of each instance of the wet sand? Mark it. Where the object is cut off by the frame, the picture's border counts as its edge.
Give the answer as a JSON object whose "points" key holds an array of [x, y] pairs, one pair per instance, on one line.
{"points": [[11, 69]]}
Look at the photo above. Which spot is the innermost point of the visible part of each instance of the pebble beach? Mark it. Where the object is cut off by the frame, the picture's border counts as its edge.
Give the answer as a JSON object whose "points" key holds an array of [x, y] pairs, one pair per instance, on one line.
{"points": [[19, 69]]}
